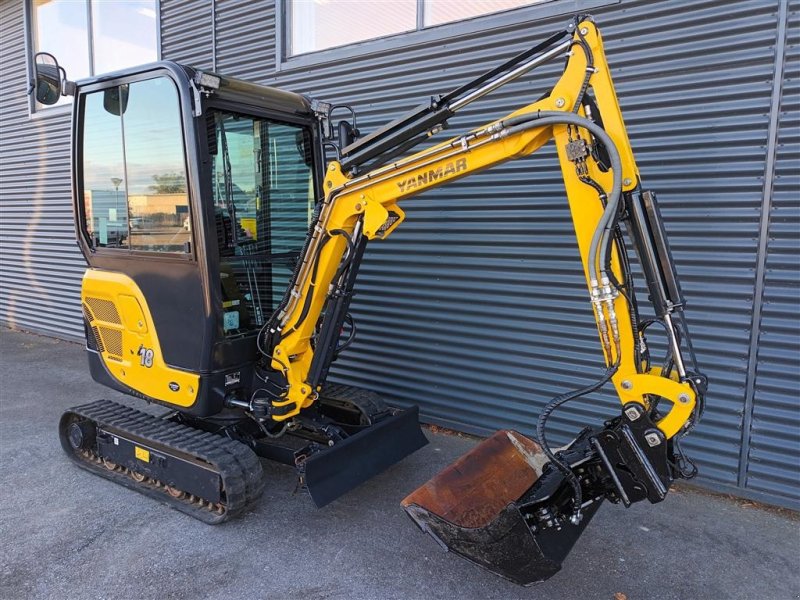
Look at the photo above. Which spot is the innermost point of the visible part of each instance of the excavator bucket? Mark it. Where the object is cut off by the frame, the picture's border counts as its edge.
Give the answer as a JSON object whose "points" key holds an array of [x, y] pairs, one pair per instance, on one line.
{"points": [[498, 507]]}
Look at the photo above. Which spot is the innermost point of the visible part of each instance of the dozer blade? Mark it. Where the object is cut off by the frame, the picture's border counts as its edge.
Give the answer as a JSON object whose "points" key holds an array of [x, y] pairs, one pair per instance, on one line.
{"points": [[334, 471], [498, 506]]}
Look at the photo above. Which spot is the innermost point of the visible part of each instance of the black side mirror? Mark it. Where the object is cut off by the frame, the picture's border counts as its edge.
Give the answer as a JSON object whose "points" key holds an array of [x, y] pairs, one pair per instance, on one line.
{"points": [[347, 132], [47, 84], [303, 141], [50, 80], [115, 100]]}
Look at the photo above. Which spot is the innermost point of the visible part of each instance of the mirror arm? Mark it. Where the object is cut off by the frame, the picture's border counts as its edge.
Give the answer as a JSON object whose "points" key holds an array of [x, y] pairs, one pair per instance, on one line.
{"points": [[68, 88]]}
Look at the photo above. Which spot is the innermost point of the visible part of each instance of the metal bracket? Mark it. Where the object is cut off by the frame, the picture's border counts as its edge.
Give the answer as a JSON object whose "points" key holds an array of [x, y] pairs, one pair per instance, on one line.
{"points": [[636, 457], [197, 108]]}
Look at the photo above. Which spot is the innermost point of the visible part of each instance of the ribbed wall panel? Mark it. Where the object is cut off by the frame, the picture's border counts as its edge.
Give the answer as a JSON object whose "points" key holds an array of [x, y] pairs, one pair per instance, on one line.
{"points": [[476, 308], [40, 265], [773, 465], [246, 38], [187, 32]]}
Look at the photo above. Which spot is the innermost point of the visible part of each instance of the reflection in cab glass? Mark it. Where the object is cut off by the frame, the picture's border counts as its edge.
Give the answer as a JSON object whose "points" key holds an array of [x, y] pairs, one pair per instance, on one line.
{"points": [[134, 175], [263, 190]]}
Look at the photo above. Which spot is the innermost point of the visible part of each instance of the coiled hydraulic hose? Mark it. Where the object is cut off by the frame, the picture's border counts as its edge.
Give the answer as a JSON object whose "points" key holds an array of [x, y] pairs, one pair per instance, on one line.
{"points": [[572, 479]]}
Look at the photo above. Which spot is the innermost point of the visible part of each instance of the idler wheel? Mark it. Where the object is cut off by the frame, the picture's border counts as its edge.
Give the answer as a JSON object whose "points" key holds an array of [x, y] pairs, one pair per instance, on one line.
{"points": [[81, 435]]}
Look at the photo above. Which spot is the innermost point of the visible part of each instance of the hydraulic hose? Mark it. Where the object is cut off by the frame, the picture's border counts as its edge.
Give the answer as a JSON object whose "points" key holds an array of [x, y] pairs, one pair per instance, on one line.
{"points": [[566, 470], [605, 225], [596, 266]]}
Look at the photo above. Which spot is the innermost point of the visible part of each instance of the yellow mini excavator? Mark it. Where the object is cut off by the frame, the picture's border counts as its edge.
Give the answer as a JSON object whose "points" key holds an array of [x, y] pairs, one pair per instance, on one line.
{"points": [[223, 250]]}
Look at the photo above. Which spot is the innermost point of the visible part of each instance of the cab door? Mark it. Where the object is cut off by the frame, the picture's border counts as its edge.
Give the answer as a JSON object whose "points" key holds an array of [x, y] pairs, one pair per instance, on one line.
{"points": [[143, 296]]}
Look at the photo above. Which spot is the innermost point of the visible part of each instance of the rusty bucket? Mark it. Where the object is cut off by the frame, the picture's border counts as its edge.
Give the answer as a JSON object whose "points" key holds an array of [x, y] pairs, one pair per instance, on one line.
{"points": [[502, 506]]}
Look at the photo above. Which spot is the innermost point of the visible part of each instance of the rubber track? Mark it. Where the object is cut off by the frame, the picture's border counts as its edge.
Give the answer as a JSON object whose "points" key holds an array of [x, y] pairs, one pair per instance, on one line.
{"points": [[365, 400], [238, 466]]}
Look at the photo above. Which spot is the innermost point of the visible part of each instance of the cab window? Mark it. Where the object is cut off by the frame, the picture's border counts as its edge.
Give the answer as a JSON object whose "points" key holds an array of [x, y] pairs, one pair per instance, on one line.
{"points": [[263, 193], [134, 190]]}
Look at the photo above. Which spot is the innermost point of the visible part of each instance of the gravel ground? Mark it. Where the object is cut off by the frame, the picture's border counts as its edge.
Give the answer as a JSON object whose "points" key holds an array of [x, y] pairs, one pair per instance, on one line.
{"points": [[69, 534]]}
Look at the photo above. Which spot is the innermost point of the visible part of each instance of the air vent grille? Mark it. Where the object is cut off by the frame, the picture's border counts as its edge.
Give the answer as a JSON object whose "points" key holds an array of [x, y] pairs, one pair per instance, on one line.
{"points": [[112, 340], [98, 340], [104, 310]]}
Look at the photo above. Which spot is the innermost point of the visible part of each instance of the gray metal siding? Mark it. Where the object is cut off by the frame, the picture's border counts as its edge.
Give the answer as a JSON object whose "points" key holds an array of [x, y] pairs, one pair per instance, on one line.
{"points": [[476, 308], [40, 265], [187, 32], [245, 38], [774, 458], [234, 37], [695, 89]]}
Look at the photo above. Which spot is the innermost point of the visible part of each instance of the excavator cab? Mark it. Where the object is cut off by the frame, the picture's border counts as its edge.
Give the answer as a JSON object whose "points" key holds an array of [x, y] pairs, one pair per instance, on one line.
{"points": [[199, 203]]}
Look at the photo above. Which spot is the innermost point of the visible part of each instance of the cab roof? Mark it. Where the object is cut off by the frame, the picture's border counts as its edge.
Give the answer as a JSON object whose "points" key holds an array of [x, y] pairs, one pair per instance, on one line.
{"points": [[230, 88]]}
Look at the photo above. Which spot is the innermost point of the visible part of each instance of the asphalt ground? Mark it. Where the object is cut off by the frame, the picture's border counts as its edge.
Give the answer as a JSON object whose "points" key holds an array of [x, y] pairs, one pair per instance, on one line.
{"points": [[66, 533]]}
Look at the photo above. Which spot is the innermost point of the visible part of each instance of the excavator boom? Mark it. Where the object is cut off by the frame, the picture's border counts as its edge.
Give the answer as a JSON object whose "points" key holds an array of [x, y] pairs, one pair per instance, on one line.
{"points": [[512, 505]]}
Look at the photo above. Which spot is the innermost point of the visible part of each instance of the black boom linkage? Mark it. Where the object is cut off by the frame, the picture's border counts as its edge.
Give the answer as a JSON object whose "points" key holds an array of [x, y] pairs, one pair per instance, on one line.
{"points": [[418, 124]]}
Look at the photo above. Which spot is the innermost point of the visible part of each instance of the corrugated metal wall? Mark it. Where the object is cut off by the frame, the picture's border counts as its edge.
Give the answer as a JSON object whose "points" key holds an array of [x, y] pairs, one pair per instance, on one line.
{"points": [[40, 265], [476, 308], [245, 38], [772, 463], [187, 31]]}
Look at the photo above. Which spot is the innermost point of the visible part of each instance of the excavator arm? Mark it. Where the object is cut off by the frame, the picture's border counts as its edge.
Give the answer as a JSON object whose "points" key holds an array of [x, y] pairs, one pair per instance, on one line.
{"points": [[365, 207], [539, 500]]}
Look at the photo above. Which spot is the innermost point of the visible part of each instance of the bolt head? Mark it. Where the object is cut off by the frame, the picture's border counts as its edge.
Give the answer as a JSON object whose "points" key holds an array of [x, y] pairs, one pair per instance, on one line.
{"points": [[584, 30], [331, 167], [684, 398], [652, 439], [560, 102], [358, 207], [627, 385], [627, 181], [633, 413]]}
